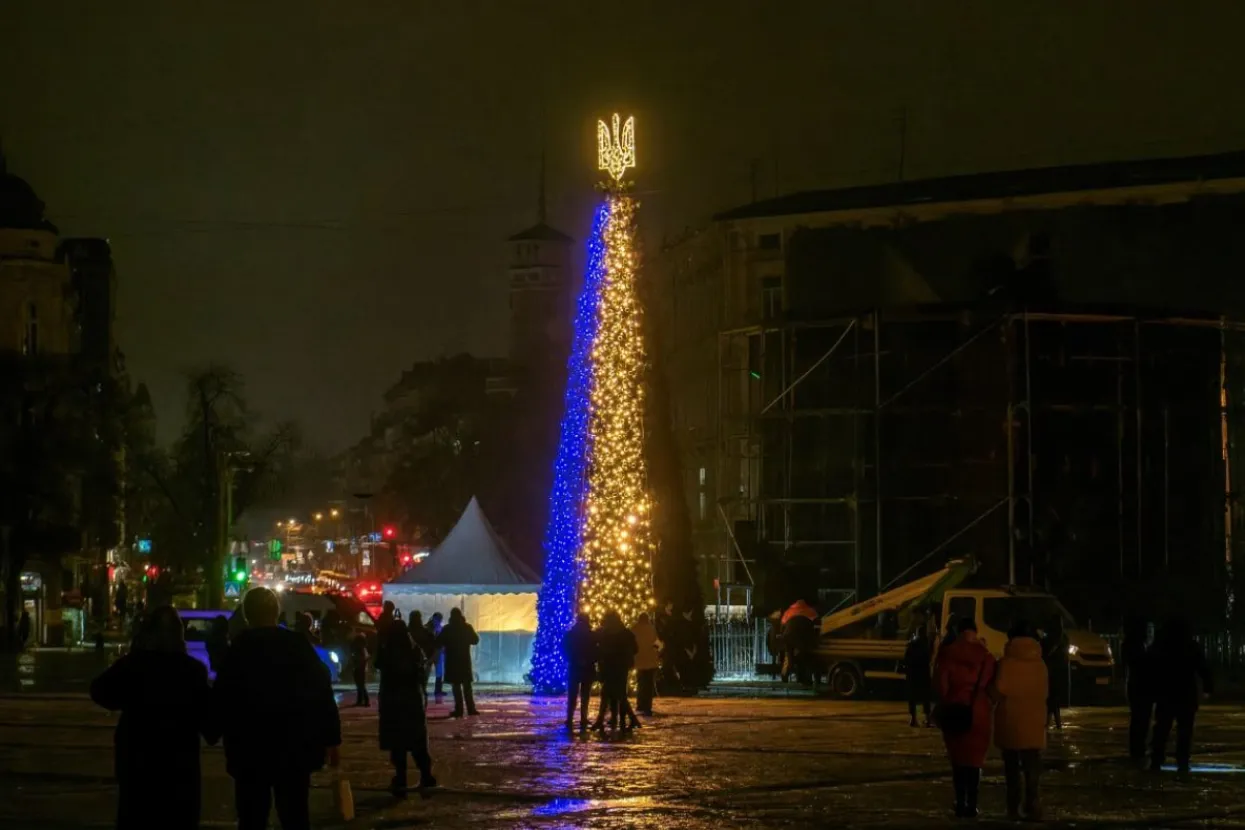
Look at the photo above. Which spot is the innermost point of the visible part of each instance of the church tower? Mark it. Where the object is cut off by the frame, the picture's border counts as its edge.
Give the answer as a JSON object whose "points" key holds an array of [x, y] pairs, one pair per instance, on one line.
{"points": [[540, 293]]}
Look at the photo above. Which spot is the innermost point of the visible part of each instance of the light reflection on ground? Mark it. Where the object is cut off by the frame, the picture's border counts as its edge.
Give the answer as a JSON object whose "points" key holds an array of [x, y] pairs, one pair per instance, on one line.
{"points": [[704, 764]]}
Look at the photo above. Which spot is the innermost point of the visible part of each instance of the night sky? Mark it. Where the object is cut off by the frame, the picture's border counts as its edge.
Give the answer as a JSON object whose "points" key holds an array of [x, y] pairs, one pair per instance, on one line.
{"points": [[317, 193]]}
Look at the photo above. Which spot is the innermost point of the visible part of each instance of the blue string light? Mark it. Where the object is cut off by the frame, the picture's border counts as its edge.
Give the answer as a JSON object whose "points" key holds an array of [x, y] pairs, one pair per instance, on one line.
{"points": [[555, 607]]}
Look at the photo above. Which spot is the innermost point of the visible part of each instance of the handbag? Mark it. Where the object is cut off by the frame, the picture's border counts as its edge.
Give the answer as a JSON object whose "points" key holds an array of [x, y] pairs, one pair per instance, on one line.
{"points": [[957, 718], [343, 796]]}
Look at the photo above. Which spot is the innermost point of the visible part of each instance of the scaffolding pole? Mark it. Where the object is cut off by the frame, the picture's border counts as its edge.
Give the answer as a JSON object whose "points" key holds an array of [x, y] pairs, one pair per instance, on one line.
{"points": [[1137, 437], [1028, 404], [829, 352], [856, 461], [1011, 456], [877, 443]]}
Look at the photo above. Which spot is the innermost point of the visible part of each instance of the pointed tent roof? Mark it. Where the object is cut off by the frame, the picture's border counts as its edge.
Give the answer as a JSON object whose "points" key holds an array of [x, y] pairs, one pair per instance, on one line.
{"points": [[472, 554]]}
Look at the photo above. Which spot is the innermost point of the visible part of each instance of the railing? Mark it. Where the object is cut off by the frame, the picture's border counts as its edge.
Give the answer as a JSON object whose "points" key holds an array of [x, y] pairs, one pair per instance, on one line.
{"points": [[738, 647], [1225, 652]]}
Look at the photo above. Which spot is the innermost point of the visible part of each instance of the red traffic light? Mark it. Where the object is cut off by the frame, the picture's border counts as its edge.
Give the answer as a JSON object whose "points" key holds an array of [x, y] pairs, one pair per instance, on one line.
{"points": [[406, 559], [390, 532], [153, 571]]}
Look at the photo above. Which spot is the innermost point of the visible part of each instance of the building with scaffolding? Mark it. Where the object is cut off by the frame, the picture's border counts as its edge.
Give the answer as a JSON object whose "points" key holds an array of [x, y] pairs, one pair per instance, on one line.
{"points": [[865, 382]]}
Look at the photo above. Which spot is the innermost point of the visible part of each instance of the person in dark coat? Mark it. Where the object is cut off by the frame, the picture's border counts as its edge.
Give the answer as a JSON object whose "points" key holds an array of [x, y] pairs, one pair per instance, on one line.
{"points": [[456, 639], [669, 634], [799, 634], [1181, 679], [426, 642], [304, 624], [581, 658], [916, 663], [403, 724], [279, 718], [217, 642], [616, 650], [165, 704], [1055, 655], [23, 630], [121, 601], [358, 668], [436, 657], [386, 616], [1139, 685]]}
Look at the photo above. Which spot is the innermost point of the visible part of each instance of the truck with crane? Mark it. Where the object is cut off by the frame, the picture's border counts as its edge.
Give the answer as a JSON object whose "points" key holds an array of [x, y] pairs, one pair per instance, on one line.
{"points": [[863, 645]]}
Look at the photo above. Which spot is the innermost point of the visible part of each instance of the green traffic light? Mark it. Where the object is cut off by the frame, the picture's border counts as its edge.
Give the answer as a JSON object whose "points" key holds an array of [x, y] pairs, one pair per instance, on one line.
{"points": [[240, 576]]}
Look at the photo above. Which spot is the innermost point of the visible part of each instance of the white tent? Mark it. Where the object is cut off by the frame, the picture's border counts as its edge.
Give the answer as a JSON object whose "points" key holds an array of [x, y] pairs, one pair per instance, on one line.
{"points": [[472, 569]]}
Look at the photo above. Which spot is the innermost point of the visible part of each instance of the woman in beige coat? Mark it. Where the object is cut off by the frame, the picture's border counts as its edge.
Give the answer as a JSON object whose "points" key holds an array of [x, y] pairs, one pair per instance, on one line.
{"points": [[646, 663], [1019, 689]]}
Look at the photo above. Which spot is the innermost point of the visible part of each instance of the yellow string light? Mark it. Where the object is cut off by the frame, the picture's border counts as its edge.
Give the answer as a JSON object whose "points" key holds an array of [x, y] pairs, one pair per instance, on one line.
{"points": [[616, 148], [617, 547]]}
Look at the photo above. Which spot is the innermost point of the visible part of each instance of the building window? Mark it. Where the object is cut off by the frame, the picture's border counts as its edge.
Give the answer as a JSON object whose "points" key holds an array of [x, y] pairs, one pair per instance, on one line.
{"points": [[703, 479], [771, 297], [30, 344], [769, 241]]}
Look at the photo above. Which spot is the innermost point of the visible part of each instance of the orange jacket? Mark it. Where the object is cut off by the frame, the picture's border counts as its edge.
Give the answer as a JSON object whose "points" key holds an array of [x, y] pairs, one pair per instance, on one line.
{"points": [[799, 608], [1020, 689]]}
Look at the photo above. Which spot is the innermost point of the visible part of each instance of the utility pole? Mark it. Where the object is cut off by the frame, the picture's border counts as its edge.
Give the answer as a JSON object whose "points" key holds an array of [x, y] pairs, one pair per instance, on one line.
{"points": [[367, 521], [225, 469], [903, 140]]}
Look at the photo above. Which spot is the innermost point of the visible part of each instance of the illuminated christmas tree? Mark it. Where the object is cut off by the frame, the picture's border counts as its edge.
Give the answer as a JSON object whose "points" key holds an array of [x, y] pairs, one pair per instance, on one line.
{"points": [[598, 547]]}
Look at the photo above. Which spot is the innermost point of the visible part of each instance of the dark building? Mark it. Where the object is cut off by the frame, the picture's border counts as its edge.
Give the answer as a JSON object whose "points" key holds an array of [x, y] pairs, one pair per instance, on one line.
{"points": [[540, 297], [95, 287], [1038, 368], [62, 506]]}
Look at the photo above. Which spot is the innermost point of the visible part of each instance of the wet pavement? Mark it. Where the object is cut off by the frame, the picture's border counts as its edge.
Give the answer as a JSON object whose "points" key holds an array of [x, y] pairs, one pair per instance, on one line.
{"points": [[703, 763]]}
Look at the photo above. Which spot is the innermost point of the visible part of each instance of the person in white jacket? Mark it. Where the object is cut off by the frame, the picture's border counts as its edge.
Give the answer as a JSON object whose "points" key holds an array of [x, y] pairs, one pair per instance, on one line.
{"points": [[648, 648]]}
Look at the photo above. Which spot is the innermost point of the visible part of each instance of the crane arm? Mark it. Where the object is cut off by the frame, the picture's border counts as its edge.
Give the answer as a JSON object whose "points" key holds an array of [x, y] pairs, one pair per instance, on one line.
{"points": [[955, 572]]}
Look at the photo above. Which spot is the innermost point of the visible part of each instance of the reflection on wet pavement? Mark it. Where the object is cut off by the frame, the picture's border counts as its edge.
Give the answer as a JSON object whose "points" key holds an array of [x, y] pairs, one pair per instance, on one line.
{"points": [[703, 763]]}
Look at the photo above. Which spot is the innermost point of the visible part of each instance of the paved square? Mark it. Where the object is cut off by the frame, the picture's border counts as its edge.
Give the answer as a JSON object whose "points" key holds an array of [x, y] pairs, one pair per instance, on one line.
{"points": [[702, 763]]}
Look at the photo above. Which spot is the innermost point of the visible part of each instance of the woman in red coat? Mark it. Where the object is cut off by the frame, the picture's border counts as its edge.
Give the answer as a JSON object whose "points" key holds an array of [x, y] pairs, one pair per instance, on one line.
{"points": [[963, 671]]}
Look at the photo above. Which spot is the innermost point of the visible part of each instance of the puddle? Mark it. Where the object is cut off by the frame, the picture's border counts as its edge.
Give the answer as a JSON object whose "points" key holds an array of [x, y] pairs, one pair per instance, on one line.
{"points": [[1209, 768]]}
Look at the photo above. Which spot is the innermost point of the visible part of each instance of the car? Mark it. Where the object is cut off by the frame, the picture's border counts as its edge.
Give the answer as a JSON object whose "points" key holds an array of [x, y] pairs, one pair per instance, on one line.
{"points": [[350, 610], [198, 624]]}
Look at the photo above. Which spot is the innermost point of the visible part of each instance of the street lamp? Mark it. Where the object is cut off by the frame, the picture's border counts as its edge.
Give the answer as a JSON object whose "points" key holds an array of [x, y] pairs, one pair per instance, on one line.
{"points": [[334, 513], [319, 516]]}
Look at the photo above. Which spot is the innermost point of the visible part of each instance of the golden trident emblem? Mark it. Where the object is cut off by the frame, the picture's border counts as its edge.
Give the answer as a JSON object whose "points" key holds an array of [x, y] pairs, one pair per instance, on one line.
{"points": [[616, 148]]}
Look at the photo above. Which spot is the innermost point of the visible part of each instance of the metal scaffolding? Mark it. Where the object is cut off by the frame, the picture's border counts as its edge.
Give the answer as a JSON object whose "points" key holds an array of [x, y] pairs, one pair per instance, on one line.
{"points": [[900, 435]]}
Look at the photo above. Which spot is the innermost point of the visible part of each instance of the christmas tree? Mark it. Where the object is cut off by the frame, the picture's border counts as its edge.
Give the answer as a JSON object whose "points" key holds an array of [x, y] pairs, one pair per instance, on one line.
{"points": [[598, 547]]}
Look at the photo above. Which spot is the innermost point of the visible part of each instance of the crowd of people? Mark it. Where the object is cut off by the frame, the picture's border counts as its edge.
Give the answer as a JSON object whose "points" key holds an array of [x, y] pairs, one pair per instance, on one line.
{"points": [[1018, 698], [609, 653], [272, 702], [272, 705]]}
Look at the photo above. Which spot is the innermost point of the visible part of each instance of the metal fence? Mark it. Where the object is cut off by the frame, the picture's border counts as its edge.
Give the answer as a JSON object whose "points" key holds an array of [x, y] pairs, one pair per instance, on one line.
{"points": [[1225, 652], [738, 648]]}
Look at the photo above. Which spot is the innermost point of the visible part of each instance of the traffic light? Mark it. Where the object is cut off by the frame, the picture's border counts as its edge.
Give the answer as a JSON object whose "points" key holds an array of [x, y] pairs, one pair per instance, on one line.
{"points": [[240, 570], [151, 573], [274, 548], [390, 532]]}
